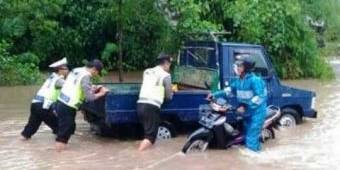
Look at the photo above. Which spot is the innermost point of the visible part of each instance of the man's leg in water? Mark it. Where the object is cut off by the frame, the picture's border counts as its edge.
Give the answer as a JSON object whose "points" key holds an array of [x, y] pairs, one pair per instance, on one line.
{"points": [[51, 120], [34, 121], [66, 125], [149, 117]]}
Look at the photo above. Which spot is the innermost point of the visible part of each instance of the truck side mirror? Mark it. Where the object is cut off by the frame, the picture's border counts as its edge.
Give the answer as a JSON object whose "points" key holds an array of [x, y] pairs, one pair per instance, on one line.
{"points": [[269, 75]]}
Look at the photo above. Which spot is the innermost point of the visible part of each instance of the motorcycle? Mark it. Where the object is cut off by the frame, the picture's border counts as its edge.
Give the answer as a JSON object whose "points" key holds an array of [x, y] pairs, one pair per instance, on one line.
{"points": [[215, 115]]}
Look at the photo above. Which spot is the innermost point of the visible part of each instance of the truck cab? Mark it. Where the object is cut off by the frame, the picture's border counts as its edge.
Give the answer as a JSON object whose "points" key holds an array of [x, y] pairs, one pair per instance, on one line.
{"points": [[219, 58], [202, 67]]}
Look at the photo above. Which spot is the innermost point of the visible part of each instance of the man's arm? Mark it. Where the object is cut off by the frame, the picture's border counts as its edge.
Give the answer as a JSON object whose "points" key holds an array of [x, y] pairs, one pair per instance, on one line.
{"points": [[167, 88], [59, 83], [260, 96], [227, 91], [90, 94]]}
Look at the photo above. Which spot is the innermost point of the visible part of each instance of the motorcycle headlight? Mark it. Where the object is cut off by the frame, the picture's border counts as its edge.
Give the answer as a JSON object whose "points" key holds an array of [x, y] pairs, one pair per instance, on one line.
{"points": [[215, 106]]}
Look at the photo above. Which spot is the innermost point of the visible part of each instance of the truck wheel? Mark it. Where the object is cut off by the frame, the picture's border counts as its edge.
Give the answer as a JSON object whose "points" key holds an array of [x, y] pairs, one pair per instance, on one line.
{"points": [[95, 129], [289, 118], [195, 145], [166, 131]]}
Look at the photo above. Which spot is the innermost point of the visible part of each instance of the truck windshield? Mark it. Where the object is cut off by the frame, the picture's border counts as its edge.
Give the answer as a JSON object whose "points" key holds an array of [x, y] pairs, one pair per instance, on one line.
{"points": [[199, 57], [261, 67]]}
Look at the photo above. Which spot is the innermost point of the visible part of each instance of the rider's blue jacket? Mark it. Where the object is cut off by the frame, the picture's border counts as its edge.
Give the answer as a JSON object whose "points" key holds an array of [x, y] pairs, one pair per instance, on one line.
{"points": [[250, 92]]}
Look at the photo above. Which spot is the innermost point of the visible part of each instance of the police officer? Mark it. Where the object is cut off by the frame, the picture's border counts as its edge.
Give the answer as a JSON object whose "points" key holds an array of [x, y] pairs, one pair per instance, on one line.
{"points": [[41, 107], [76, 90], [252, 98], [155, 88]]}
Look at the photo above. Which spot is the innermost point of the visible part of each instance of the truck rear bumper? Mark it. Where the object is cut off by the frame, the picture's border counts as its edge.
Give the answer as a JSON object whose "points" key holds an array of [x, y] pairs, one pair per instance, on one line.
{"points": [[314, 114]]}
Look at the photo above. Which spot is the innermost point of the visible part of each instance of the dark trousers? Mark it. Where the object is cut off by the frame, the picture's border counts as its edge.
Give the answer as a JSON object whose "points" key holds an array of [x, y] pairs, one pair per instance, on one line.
{"points": [[149, 117], [66, 122], [38, 115]]}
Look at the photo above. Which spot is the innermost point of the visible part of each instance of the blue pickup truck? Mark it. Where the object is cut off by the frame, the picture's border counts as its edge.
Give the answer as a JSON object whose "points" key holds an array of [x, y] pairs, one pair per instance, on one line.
{"points": [[202, 67]]}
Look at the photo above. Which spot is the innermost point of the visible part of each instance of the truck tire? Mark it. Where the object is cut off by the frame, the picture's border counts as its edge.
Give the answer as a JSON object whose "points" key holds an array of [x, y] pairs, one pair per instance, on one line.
{"points": [[166, 130], [289, 118], [101, 129]]}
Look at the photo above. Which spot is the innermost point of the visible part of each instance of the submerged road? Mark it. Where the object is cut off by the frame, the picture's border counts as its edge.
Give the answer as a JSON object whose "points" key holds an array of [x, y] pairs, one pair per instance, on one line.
{"points": [[315, 144]]}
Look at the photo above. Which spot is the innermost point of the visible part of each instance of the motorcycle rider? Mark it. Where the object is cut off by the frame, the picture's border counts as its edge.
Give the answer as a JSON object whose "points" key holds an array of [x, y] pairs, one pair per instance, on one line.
{"points": [[252, 99]]}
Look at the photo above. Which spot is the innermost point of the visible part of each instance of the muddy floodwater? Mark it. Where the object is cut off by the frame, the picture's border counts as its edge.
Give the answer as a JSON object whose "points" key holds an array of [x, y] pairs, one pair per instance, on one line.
{"points": [[315, 144]]}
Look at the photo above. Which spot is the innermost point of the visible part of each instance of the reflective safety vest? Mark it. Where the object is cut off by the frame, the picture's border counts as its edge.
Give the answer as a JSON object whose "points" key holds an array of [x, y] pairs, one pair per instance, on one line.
{"points": [[48, 93], [72, 93], [152, 90]]}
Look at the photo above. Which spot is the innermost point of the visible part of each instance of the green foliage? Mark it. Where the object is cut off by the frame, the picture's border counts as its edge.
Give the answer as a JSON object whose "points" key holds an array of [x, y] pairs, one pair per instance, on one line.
{"points": [[17, 69], [41, 31], [109, 50], [281, 27], [327, 11]]}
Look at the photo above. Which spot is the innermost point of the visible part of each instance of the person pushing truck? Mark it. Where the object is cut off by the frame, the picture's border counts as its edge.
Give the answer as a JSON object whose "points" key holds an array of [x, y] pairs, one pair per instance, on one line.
{"points": [[76, 90], [41, 107]]}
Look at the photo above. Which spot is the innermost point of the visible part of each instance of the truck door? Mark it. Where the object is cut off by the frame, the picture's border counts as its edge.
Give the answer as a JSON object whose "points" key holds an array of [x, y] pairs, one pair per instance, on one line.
{"points": [[261, 65]]}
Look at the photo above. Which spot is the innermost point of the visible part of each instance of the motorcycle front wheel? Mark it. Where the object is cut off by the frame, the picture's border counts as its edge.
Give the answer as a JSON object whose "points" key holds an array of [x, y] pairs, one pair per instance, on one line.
{"points": [[266, 134], [195, 146]]}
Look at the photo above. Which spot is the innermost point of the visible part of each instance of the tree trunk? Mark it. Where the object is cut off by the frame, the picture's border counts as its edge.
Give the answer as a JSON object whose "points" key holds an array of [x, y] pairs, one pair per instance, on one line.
{"points": [[120, 39]]}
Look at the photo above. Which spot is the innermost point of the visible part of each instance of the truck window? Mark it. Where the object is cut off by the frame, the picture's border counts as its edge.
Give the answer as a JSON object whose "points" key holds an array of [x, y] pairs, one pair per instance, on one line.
{"points": [[197, 68], [199, 57], [261, 67]]}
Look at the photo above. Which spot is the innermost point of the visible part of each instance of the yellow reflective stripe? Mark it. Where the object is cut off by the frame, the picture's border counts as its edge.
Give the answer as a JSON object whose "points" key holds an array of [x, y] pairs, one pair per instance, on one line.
{"points": [[72, 90], [54, 92], [48, 90]]}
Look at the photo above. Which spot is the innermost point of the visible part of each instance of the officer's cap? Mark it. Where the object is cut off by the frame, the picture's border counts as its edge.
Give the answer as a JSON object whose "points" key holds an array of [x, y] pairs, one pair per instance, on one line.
{"points": [[59, 63]]}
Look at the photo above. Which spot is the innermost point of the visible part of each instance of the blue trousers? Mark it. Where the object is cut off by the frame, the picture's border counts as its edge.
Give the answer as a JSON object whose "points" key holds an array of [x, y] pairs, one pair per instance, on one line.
{"points": [[253, 127]]}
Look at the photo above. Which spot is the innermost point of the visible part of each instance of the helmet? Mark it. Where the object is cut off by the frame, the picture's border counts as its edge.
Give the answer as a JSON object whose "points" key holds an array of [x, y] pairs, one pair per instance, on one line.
{"points": [[164, 57], [246, 61]]}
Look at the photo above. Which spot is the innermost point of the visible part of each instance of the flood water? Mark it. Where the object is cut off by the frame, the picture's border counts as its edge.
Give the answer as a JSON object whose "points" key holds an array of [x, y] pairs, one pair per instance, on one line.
{"points": [[315, 144]]}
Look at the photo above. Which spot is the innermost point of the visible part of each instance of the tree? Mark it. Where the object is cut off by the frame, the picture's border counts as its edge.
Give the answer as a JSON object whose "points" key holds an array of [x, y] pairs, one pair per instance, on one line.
{"points": [[129, 34]]}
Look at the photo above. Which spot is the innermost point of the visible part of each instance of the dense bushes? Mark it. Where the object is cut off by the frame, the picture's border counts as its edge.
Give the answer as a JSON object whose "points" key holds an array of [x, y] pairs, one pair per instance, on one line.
{"points": [[18, 69], [85, 29]]}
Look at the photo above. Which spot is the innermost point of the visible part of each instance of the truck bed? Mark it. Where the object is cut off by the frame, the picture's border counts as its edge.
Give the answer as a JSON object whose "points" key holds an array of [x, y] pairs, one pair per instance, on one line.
{"points": [[121, 102]]}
